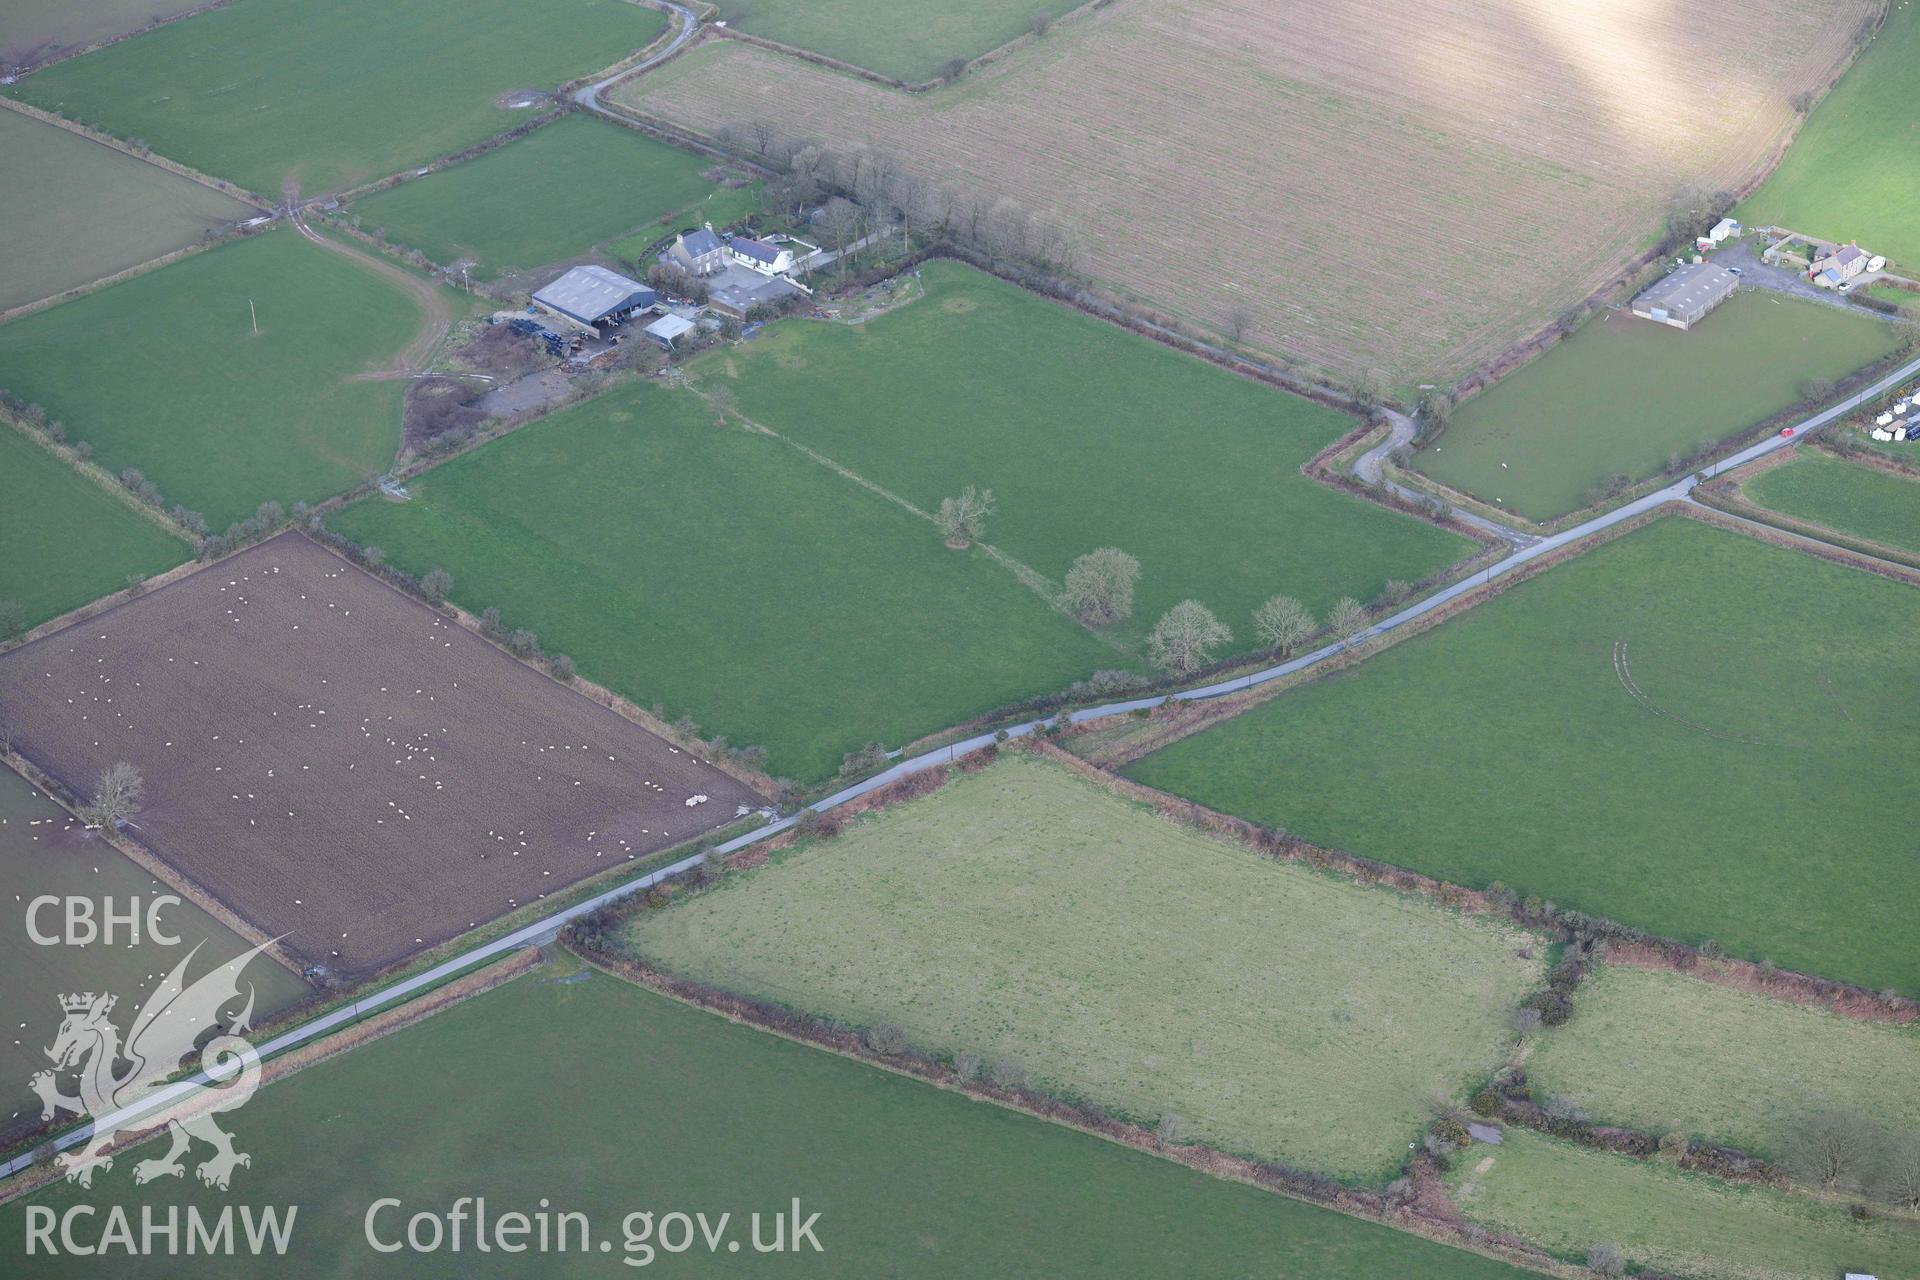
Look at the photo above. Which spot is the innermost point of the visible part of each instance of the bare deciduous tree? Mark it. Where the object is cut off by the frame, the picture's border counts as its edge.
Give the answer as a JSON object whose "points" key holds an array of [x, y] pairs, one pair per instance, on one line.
{"points": [[1606, 1260], [1185, 637], [1283, 622], [1171, 1131], [1040, 23], [1899, 1180], [1345, 617], [436, 583], [964, 518], [1834, 1148], [116, 796], [1100, 586]]}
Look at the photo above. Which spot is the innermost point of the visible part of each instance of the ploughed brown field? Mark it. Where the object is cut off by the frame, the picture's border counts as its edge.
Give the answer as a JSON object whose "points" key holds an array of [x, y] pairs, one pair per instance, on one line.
{"points": [[1407, 186], [338, 763]]}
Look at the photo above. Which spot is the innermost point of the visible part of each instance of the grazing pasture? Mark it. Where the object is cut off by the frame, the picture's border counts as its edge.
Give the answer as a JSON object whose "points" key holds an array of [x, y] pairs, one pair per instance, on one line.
{"points": [[723, 575], [1670, 731], [551, 196], [339, 763], [44, 850], [1569, 1198], [1073, 423], [1848, 497], [89, 211], [911, 41], [1656, 1050], [67, 541], [906, 1178], [1026, 913], [1626, 396], [278, 94], [165, 373], [1849, 173], [1369, 185]]}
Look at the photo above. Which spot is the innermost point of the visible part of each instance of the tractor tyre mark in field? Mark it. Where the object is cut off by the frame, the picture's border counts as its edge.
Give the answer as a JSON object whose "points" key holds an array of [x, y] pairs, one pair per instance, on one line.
{"points": [[1627, 682]]}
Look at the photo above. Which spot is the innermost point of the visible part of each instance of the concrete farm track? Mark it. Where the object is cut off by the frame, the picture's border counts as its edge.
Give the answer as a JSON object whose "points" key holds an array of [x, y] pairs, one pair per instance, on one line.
{"points": [[548, 926]]}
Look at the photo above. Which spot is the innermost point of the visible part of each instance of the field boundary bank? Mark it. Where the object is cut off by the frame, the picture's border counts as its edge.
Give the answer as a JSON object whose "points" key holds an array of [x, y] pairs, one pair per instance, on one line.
{"points": [[827, 60], [347, 195], [1522, 353], [1322, 467], [1820, 548], [79, 291], [135, 851], [374, 1027], [1185, 719], [1707, 463], [1272, 1176], [154, 24], [154, 158], [101, 478], [1626, 944], [1728, 496]]}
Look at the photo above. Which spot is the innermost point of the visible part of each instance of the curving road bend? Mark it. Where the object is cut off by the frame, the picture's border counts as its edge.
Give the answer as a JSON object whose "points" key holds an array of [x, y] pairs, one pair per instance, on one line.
{"points": [[587, 96]]}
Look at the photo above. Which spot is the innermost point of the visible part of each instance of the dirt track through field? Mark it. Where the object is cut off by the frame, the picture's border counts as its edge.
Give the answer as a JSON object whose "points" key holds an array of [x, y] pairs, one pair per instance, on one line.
{"points": [[438, 319], [337, 762]]}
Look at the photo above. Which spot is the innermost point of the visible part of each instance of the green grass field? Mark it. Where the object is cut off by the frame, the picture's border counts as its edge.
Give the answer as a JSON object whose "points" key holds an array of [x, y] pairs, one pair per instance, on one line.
{"points": [[666, 1108], [1570, 1198], [549, 197], [164, 373], [67, 541], [909, 41], [90, 211], [42, 852], [722, 574], [1849, 174], [1088, 437], [272, 93], [1027, 913], [1755, 790], [1660, 1050], [1846, 496], [1624, 394]]}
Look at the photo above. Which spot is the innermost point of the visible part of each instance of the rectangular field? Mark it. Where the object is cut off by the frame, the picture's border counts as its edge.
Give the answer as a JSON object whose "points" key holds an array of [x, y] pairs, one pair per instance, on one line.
{"points": [[44, 850], [89, 211], [41, 29], [1849, 174], [549, 197], [280, 94], [1570, 1198], [336, 761], [67, 541], [165, 373], [911, 41], [1355, 186], [1073, 423], [754, 1122], [721, 574], [1864, 501], [1668, 731], [1631, 397], [1026, 913], [1656, 1049]]}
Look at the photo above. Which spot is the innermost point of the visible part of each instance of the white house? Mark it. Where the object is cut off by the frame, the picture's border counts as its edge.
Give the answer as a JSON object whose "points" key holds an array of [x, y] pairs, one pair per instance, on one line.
{"points": [[758, 255]]}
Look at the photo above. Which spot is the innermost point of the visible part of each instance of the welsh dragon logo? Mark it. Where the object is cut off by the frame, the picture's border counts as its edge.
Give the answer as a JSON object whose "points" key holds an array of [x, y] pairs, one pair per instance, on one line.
{"points": [[89, 1051]]}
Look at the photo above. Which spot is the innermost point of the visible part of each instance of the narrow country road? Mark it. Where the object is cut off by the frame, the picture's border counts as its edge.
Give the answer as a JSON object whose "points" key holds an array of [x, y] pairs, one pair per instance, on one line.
{"points": [[587, 96], [544, 928], [1367, 468]]}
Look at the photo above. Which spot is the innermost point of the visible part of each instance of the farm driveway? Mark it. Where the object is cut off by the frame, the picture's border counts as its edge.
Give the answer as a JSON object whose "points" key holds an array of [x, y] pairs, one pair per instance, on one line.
{"points": [[432, 299]]}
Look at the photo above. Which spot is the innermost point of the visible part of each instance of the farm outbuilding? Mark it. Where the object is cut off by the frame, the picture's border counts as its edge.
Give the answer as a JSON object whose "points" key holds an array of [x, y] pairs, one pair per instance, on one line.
{"points": [[1687, 294], [588, 297], [668, 328]]}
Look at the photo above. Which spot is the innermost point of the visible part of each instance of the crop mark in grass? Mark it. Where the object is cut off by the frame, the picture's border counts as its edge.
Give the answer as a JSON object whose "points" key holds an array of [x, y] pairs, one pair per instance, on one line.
{"points": [[1028, 576], [1625, 672]]}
